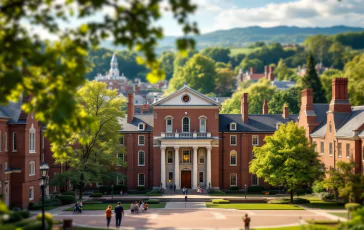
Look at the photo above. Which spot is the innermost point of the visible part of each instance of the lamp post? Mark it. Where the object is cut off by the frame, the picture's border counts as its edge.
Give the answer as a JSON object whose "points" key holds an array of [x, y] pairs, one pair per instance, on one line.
{"points": [[245, 191], [43, 182], [112, 193]]}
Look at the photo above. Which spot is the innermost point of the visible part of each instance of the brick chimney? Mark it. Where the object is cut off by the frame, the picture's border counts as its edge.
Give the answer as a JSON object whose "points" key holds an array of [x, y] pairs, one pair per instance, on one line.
{"points": [[340, 98], [271, 74], [285, 111], [265, 107], [252, 70], [307, 99], [244, 107], [307, 115], [266, 71], [130, 107]]}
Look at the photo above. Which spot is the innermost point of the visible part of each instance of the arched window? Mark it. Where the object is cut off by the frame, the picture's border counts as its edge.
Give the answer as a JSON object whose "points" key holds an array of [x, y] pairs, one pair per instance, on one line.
{"points": [[186, 125], [32, 139], [169, 124], [233, 158], [141, 158]]}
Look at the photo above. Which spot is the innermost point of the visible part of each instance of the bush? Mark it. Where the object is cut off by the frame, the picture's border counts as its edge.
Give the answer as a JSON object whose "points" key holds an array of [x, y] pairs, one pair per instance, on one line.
{"points": [[66, 199], [23, 223], [234, 188], [326, 196], [8, 227], [24, 213], [34, 225], [48, 218], [216, 192], [105, 189], [352, 206], [56, 202], [255, 189], [96, 194], [152, 201], [14, 217], [71, 193], [140, 188], [288, 201], [220, 201], [118, 188], [154, 193], [318, 187], [300, 191]]}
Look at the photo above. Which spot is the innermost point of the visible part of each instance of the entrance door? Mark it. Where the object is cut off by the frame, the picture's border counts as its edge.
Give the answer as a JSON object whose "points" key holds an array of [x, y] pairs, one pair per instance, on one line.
{"points": [[186, 179]]}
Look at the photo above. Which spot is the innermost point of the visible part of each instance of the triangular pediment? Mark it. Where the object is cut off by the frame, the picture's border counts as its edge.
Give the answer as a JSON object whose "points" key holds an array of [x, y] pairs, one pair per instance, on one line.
{"points": [[186, 97]]}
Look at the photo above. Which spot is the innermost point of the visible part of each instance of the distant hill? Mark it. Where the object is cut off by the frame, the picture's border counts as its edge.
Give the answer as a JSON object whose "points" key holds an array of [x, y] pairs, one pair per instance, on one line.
{"points": [[241, 37]]}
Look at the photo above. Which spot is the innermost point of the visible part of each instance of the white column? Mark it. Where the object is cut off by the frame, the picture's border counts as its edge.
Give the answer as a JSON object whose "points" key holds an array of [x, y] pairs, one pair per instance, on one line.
{"points": [[176, 168], [194, 168], [208, 167], [163, 166]]}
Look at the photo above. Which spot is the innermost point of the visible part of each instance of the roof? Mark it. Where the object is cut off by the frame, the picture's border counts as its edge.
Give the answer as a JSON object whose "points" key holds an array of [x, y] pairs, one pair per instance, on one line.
{"points": [[12, 110], [220, 100], [283, 84], [320, 111], [256, 122], [361, 134], [138, 118], [256, 76], [351, 124]]}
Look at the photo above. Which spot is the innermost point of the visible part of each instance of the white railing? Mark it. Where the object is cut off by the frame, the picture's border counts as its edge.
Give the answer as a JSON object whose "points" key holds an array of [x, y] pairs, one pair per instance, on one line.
{"points": [[184, 135]]}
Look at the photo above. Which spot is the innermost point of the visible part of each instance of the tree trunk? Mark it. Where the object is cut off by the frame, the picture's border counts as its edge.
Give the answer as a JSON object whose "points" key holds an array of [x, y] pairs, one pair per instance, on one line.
{"points": [[336, 196], [291, 196], [81, 188]]}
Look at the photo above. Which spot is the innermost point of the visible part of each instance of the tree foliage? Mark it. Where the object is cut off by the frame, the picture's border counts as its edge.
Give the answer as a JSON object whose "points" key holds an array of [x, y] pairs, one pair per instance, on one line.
{"points": [[326, 81], [354, 71], [217, 54], [225, 82], [287, 158], [282, 72], [291, 97], [167, 60]]}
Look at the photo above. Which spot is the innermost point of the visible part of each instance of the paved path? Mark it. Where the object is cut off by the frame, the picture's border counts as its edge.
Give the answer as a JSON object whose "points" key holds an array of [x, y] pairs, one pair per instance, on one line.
{"points": [[185, 205]]}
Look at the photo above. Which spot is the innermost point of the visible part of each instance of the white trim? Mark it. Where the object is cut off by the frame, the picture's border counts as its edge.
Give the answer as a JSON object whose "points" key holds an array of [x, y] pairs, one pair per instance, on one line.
{"points": [[14, 142], [168, 176], [189, 124], [139, 140], [201, 153], [203, 119], [233, 123], [31, 197], [331, 149], [203, 177], [139, 179], [32, 140], [169, 118], [119, 159], [236, 158], [322, 150], [346, 150], [236, 179], [170, 151], [253, 140], [32, 168], [236, 140], [122, 138], [139, 152], [141, 123], [339, 150]]}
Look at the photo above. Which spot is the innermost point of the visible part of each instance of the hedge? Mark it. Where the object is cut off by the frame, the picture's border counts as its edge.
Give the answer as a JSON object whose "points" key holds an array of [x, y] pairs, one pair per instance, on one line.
{"points": [[326, 196], [153, 193], [288, 201], [23, 223], [220, 201], [14, 217], [66, 199], [152, 201], [96, 194], [34, 225], [234, 188], [140, 188], [69, 193], [352, 206], [255, 189], [217, 192], [24, 213], [34, 206], [48, 218]]}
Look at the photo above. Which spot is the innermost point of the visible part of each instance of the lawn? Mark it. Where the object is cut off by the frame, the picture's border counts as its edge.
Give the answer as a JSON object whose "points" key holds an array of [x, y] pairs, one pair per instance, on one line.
{"points": [[46, 208], [245, 50], [104, 206], [321, 227], [318, 203], [339, 214], [254, 206]]}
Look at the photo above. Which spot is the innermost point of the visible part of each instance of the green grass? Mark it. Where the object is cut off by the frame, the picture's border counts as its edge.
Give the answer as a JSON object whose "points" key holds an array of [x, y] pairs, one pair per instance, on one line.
{"points": [[282, 228], [318, 203], [255, 206], [46, 208], [104, 206], [321, 227], [339, 214], [245, 50]]}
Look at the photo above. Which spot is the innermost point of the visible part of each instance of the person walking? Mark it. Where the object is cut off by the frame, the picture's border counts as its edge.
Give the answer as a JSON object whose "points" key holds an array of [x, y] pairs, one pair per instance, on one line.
{"points": [[174, 188], [246, 222], [119, 213], [108, 214]]}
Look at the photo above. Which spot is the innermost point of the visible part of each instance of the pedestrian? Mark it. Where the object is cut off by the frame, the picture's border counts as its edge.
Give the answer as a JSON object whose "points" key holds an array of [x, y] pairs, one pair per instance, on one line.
{"points": [[171, 187], [108, 214], [186, 191], [80, 204], [119, 213], [121, 192], [174, 188], [246, 222]]}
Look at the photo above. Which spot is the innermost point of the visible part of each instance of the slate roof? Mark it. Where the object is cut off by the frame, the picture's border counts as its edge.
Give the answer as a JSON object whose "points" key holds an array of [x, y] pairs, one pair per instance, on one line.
{"points": [[361, 135], [138, 118], [352, 123], [283, 85], [11, 110], [256, 76], [320, 111], [256, 122]]}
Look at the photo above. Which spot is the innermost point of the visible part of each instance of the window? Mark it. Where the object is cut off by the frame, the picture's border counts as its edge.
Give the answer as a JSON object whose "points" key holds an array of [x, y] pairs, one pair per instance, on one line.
{"points": [[120, 159], [233, 140], [201, 157], [32, 168], [200, 177], [32, 139], [31, 193], [120, 180], [330, 127], [330, 149], [141, 180], [253, 155], [121, 140], [203, 125], [233, 126], [186, 157], [1, 142], [170, 157], [170, 177], [233, 179], [322, 147], [169, 127], [186, 125], [6, 142], [14, 142], [5, 165], [339, 150], [255, 180], [42, 142], [99, 184], [315, 143], [141, 158], [347, 150], [255, 140], [233, 156], [141, 140], [140, 126]]}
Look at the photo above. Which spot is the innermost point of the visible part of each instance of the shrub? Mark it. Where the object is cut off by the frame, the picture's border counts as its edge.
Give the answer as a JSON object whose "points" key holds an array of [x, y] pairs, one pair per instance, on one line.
{"points": [[24, 213], [14, 217], [96, 194], [318, 187], [152, 201], [34, 225], [8, 227], [300, 191], [105, 189], [220, 201], [234, 188], [326, 196], [216, 192], [118, 188], [48, 218], [66, 199], [23, 222], [288, 201], [255, 189], [154, 193], [71, 193], [352, 206], [140, 188], [56, 202]]}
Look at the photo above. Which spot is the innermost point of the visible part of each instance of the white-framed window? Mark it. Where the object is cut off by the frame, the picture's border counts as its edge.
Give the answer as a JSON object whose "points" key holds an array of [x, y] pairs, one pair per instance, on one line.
{"points": [[330, 149], [32, 168], [141, 126], [32, 139], [233, 158], [253, 155], [322, 148], [169, 157], [141, 179], [186, 156], [14, 142], [1, 141], [5, 165], [6, 142], [31, 193], [141, 140], [233, 140], [315, 143], [203, 125], [232, 126], [121, 140], [255, 180], [120, 159], [347, 150], [233, 179], [200, 177], [186, 125], [201, 157], [169, 124], [340, 150], [255, 140], [141, 158]]}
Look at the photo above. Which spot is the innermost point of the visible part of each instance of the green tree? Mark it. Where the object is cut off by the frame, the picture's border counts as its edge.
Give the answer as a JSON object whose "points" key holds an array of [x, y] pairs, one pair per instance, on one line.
{"points": [[52, 71], [258, 92], [354, 71], [247, 63], [95, 148], [287, 158], [167, 60], [225, 82], [282, 72], [311, 80], [334, 182], [336, 51], [236, 59], [326, 81], [291, 97], [217, 54], [318, 46]]}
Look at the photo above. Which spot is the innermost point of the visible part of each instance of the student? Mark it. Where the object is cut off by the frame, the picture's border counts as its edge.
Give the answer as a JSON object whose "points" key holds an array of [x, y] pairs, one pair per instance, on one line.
{"points": [[108, 214], [132, 207], [80, 206], [119, 213], [145, 206], [247, 222]]}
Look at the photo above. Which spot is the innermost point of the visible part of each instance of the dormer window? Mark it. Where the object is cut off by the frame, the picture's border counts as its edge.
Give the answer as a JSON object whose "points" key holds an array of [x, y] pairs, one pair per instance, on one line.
{"points": [[141, 126], [233, 126]]}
